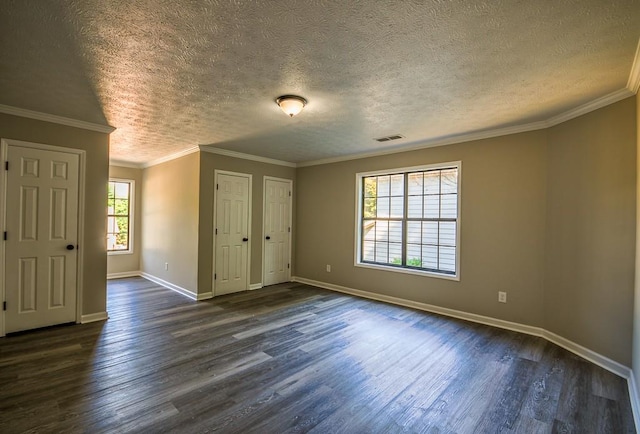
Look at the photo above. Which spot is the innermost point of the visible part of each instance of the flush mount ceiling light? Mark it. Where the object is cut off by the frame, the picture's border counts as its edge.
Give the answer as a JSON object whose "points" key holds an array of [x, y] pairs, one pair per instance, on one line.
{"points": [[291, 104]]}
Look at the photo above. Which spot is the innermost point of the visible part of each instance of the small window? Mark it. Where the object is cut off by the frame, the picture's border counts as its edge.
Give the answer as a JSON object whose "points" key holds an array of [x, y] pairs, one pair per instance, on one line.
{"points": [[119, 216], [408, 220]]}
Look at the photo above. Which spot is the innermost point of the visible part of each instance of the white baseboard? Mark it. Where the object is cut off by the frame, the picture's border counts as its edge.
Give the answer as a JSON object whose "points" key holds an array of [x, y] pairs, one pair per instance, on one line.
{"points": [[169, 285], [254, 286], [192, 295], [93, 317], [530, 330], [592, 356], [586, 353], [634, 398], [123, 275]]}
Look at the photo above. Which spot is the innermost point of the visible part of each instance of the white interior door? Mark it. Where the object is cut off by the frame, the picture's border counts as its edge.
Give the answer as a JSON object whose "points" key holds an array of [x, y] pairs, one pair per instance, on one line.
{"points": [[277, 231], [232, 234], [41, 236]]}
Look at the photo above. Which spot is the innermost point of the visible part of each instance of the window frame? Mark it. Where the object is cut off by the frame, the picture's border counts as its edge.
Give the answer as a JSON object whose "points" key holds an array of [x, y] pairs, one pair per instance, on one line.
{"points": [[132, 189], [359, 219]]}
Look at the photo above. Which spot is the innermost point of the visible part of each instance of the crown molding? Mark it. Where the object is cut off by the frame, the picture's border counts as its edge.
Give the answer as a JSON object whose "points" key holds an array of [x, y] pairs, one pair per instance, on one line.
{"points": [[596, 104], [15, 111], [227, 153], [170, 157], [634, 77], [125, 164], [440, 141]]}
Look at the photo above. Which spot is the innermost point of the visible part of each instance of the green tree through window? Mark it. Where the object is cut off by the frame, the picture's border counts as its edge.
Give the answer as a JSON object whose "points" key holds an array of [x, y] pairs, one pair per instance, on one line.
{"points": [[118, 216]]}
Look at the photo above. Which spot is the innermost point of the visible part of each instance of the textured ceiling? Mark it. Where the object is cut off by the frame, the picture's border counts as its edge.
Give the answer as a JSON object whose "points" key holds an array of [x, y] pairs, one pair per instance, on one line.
{"points": [[170, 75]]}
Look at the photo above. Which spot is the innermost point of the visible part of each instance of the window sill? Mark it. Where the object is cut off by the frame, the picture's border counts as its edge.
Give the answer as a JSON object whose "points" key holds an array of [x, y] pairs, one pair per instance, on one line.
{"points": [[120, 252], [454, 277]]}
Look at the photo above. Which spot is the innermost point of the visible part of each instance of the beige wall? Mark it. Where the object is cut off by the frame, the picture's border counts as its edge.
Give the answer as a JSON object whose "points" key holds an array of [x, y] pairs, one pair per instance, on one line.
{"points": [[502, 227], [547, 216], [128, 262], [590, 234], [208, 164], [170, 221], [96, 145]]}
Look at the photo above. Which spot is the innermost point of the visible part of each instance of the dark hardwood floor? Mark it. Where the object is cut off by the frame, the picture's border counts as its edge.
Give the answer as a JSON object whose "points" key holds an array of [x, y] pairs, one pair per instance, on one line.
{"points": [[294, 358]]}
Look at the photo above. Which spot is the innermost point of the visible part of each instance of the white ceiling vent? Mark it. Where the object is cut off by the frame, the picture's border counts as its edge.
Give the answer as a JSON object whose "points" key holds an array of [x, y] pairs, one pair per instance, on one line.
{"points": [[388, 138]]}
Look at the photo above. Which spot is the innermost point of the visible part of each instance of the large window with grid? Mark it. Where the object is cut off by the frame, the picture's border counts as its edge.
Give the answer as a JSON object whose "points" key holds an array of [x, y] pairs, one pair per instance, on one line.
{"points": [[408, 219], [119, 216]]}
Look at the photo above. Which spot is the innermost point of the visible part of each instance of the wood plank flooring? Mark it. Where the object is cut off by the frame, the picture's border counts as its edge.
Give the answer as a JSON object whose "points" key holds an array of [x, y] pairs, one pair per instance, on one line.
{"points": [[294, 358]]}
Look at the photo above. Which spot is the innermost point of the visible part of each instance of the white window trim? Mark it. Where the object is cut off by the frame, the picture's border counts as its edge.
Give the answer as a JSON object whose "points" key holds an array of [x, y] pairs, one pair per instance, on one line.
{"points": [[132, 200], [358, 226]]}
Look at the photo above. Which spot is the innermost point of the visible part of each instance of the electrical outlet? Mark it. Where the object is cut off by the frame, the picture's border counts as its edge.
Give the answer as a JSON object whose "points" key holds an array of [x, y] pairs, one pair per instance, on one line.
{"points": [[502, 297], [166, 266], [328, 268]]}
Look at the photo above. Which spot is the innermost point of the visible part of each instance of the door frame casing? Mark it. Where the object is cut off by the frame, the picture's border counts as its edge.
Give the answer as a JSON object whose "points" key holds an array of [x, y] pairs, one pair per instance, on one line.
{"points": [[249, 176], [4, 149], [264, 217]]}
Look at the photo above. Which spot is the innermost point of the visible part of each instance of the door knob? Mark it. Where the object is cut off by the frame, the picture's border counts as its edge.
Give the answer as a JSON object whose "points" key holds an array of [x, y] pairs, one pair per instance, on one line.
{"points": [[70, 247], [268, 237], [245, 239]]}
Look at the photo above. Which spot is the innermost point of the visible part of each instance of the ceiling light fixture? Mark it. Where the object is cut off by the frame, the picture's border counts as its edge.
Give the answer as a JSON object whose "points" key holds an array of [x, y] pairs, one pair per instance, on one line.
{"points": [[291, 104]]}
